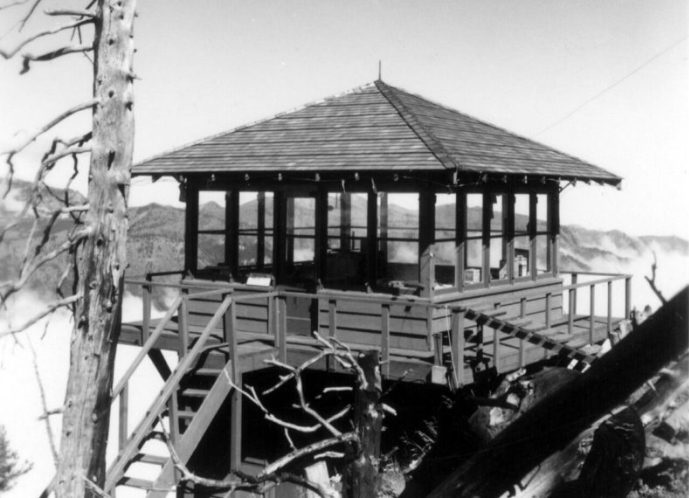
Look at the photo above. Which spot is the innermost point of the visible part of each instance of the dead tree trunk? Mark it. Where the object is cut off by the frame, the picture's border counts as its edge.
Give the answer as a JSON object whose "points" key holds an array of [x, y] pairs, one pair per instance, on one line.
{"points": [[551, 424], [102, 259], [362, 478]]}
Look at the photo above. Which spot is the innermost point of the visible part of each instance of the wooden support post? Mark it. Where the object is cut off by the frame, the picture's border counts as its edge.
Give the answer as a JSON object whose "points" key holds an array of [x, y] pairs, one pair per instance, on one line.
{"points": [[191, 227], [575, 281], [457, 339], [279, 235], [548, 307], [281, 327], [345, 221], [332, 318], [496, 350], [260, 231], [124, 416], [554, 215], [183, 324], [627, 297], [372, 238], [173, 417], [236, 425], [609, 314], [592, 314], [427, 271], [384, 226], [485, 231], [426, 220], [522, 345], [533, 229], [232, 232], [146, 300], [385, 338], [289, 213], [508, 232], [460, 237], [321, 242], [230, 335], [570, 324]]}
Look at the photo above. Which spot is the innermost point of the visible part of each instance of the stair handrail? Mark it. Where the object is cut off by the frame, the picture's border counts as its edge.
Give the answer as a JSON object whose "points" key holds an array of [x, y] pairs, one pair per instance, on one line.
{"points": [[118, 467], [146, 348]]}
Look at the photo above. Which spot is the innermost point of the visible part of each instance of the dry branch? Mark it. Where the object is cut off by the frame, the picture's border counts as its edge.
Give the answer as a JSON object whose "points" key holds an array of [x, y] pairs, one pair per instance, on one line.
{"points": [[68, 301], [8, 54], [27, 58], [652, 280], [44, 404]]}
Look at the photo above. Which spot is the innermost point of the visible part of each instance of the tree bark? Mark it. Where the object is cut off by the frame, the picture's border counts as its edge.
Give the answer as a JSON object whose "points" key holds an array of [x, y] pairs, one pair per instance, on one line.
{"points": [[102, 258], [361, 479], [551, 424]]}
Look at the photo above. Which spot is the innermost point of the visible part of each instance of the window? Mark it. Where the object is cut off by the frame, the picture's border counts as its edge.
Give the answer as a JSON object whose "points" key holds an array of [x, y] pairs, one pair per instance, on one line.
{"points": [[445, 213], [497, 239], [211, 230], [346, 252], [473, 255], [543, 244], [522, 240], [398, 236]]}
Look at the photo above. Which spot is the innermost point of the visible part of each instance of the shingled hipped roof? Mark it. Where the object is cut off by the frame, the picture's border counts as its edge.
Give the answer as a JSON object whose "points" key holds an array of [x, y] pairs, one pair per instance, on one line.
{"points": [[375, 127]]}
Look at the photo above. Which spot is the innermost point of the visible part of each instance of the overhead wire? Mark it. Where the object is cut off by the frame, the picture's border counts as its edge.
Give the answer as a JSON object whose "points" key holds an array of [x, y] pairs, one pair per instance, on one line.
{"points": [[611, 86]]}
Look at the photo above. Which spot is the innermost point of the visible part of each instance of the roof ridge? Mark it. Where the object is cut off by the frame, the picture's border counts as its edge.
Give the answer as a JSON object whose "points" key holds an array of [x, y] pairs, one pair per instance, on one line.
{"points": [[500, 128], [426, 136]]}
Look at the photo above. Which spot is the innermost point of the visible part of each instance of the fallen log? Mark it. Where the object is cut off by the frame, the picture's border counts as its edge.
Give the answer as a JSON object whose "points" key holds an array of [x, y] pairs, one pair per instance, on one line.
{"points": [[550, 425]]}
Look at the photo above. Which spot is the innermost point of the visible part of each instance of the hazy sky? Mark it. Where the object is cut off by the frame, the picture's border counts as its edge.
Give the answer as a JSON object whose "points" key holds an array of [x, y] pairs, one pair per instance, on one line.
{"points": [[207, 66]]}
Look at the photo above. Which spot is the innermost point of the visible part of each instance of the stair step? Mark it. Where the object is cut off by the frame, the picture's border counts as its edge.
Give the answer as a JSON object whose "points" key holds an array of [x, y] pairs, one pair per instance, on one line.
{"points": [[194, 393], [152, 459], [135, 482], [214, 372], [186, 414]]}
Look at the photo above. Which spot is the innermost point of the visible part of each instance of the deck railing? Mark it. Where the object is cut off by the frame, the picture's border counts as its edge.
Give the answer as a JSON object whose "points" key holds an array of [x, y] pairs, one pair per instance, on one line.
{"points": [[277, 315], [595, 280]]}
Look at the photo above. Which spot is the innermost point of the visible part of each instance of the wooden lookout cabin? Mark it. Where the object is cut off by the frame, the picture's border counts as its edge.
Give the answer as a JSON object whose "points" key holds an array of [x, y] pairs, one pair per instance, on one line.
{"points": [[377, 217]]}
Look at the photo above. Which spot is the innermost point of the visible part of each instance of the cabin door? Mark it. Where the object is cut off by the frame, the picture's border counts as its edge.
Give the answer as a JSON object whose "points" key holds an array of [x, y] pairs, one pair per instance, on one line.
{"points": [[299, 264]]}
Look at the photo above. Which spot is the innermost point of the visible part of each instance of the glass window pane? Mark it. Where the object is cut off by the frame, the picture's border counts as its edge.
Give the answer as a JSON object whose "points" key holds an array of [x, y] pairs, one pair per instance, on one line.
{"points": [[398, 234], [498, 242], [542, 212], [521, 214], [211, 250], [473, 271]]}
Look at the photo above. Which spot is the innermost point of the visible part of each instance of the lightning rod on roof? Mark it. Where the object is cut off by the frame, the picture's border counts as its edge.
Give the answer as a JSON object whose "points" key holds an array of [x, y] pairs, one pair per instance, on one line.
{"points": [[380, 65]]}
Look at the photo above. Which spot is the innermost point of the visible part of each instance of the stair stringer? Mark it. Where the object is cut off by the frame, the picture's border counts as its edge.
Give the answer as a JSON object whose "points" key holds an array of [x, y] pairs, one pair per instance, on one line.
{"points": [[194, 432]]}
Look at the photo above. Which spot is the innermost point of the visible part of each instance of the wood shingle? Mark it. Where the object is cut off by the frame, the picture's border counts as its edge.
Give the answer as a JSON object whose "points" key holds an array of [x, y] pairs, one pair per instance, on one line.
{"points": [[374, 127]]}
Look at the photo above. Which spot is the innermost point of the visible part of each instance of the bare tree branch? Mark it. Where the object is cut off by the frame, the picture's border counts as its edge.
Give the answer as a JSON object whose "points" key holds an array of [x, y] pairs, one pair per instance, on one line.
{"points": [[50, 309], [29, 13], [70, 12], [267, 478], [44, 404], [27, 58], [8, 54], [50, 124], [652, 280]]}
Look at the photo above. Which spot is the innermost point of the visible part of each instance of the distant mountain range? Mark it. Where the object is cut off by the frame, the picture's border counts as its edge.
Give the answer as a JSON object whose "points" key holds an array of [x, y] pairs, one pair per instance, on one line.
{"points": [[157, 233]]}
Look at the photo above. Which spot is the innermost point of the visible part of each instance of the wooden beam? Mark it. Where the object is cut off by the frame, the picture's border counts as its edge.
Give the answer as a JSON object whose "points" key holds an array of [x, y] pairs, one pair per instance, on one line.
{"points": [[554, 228], [533, 228], [321, 239], [460, 237], [232, 232], [485, 230], [261, 230], [345, 221], [279, 235], [191, 227], [372, 238]]}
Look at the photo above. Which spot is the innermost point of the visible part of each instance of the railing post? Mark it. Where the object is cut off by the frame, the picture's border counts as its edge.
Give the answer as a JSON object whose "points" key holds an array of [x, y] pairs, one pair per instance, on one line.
{"points": [[183, 323], [610, 307], [575, 280], [146, 317], [457, 340], [124, 416], [332, 318], [548, 306], [592, 316], [496, 350], [570, 324], [385, 339], [281, 327], [627, 297]]}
